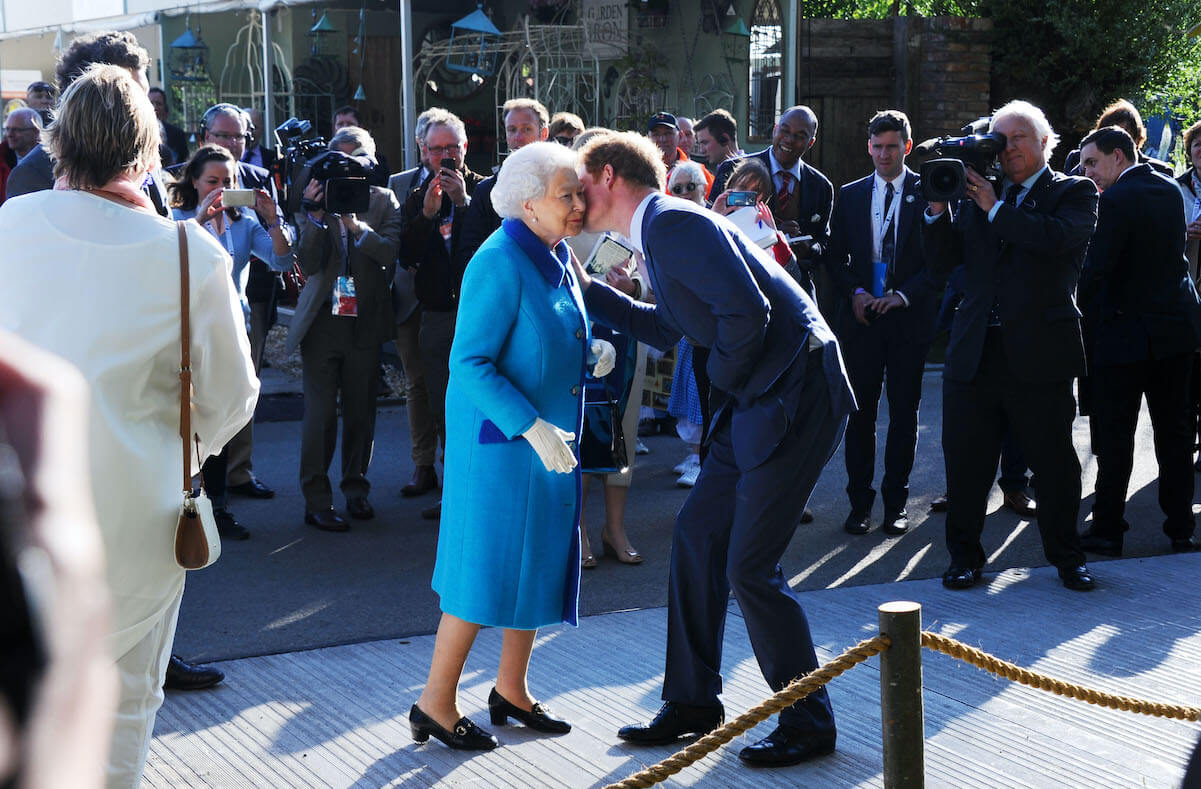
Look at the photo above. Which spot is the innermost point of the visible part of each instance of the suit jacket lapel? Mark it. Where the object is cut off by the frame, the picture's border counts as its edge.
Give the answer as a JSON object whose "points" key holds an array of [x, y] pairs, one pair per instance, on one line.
{"points": [[908, 208], [862, 242]]}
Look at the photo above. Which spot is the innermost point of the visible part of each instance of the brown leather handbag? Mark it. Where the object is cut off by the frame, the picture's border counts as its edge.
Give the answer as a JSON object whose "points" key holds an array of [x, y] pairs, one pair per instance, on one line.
{"points": [[197, 543]]}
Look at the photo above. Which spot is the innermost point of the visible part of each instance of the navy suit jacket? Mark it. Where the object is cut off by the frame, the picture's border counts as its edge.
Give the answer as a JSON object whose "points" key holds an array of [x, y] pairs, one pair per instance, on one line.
{"points": [[849, 258], [1028, 259], [717, 286], [1136, 294]]}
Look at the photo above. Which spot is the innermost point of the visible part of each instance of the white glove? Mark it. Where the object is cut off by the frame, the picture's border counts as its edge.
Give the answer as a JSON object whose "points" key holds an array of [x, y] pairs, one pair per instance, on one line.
{"points": [[550, 444], [606, 358]]}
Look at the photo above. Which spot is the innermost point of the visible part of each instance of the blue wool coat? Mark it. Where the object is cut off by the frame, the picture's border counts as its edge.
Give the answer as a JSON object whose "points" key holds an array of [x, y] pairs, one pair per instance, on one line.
{"points": [[508, 546]]}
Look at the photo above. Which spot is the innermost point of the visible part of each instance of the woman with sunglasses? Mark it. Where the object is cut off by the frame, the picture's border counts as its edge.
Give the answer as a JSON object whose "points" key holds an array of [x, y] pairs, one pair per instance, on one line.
{"points": [[687, 180]]}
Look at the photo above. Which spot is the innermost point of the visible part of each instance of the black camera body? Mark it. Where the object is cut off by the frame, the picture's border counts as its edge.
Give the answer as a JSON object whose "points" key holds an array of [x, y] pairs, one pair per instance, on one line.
{"points": [[344, 177], [944, 179]]}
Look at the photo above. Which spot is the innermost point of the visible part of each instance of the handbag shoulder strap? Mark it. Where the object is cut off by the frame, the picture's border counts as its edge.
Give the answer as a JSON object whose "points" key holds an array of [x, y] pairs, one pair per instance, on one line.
{"points": [[185, 357]]}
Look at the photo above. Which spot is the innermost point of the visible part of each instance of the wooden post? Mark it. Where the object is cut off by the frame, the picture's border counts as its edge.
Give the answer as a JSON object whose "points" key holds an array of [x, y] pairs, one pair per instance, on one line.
{"points": [[901, 710]]}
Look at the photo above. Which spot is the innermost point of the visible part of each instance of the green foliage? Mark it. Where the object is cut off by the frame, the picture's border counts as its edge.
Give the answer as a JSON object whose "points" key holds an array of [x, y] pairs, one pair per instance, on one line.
{"points": [[880, 9]]}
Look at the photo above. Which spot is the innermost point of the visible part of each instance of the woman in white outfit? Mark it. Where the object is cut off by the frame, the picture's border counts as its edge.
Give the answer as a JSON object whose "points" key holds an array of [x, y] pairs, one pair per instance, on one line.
{"points": [[91, 273]]}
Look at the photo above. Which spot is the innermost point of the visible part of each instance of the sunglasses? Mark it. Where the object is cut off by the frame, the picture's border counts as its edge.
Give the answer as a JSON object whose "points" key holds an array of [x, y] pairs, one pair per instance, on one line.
{"points": [[680, 189], [563, 140]]}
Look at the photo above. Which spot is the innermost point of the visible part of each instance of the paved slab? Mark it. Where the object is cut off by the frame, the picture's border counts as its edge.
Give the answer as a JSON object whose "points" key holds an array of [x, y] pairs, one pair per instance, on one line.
{"points": [[337, 716]]}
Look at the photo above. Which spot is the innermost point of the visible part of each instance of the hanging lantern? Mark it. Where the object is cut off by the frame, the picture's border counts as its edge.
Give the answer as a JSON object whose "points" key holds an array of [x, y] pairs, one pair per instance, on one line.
{"points": [[474, 44], [320, 31], [188, 57], [735, 39]]}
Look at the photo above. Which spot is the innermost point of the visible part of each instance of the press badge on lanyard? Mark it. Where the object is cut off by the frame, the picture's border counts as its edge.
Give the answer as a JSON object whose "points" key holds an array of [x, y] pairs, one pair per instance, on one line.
{"points": [[345, 302], [446, 228]]}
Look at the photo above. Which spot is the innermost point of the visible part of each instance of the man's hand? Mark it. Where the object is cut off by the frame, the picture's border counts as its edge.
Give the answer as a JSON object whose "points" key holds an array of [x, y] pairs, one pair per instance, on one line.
{"points": [[1194, 229], [315, 193], [454, 186], [888, 301], [859, 303], [789, 227], [353, 226], [581, 273], [936, 209], [619, 278], [433, 198], [980, 190]]}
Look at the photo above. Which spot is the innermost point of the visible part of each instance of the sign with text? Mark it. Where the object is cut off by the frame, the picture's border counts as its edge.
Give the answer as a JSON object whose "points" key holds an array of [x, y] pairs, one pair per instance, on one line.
{"points": [[608, 24]]}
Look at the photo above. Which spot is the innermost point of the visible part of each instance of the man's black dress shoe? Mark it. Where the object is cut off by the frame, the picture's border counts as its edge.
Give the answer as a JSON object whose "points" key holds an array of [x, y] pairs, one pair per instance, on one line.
{"points": [[227, 527], [673, 721], [252, 489], [424, 480], [1019, 502], [940, 503], [360, 508], [857, 523], [188, 676], [1077, 578], [433, 512], [538, 718], [787, 745], [1186, 545], [326, 520], [466, 736], [960, 577], [1096, 543], [895, 522]]}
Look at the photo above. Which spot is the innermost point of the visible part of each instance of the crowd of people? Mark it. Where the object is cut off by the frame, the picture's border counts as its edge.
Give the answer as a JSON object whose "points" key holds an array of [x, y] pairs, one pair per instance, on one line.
{"points": [[524, 304]]}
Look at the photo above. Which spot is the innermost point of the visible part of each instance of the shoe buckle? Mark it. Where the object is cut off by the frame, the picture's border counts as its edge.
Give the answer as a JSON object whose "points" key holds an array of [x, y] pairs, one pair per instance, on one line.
{"points": [[461, 730]]}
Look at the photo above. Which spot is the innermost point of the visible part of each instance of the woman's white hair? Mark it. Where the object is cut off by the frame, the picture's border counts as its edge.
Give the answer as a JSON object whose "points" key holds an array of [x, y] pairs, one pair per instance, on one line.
{"points": [[526, 174], [688, 172], [1036, 118]]}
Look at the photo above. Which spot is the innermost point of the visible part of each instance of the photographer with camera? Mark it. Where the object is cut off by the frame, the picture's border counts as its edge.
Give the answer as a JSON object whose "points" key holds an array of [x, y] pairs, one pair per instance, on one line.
{"points": [[343, 315], [1016, 341]]}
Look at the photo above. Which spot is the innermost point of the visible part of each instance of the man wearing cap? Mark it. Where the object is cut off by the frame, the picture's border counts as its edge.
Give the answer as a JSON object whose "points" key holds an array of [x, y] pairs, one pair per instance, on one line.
{"points": [[664, 132]]}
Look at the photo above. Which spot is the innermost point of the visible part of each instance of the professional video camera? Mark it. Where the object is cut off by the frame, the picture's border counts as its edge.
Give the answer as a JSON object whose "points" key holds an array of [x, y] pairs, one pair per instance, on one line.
{"points": [[343, 176], [944, 180]]}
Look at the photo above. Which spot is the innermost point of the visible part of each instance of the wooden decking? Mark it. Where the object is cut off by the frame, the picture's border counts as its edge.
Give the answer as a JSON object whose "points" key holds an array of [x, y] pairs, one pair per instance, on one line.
{"points": [[338, 717]]}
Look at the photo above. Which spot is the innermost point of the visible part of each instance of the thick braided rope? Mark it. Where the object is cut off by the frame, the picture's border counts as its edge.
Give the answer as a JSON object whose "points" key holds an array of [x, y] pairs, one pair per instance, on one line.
{"points": [[1009, 671], [796, 690]]}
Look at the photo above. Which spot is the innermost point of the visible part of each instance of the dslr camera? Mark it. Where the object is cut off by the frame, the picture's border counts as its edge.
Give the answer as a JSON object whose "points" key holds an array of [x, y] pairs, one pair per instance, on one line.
{"points": [[944, 179], [344, 177]]}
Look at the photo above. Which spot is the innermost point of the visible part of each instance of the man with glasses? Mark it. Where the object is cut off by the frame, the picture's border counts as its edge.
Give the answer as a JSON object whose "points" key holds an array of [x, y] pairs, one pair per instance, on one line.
{"points": [[21, 130], [432, 233], [664, 131]]}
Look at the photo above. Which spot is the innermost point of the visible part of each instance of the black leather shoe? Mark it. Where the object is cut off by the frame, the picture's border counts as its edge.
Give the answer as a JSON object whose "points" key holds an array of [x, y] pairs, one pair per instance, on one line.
{"points": [[188, 676], [807, 516], [674, 720], [252, 489], [960, 577], [857, 523], [326, 520], [432, 513], [424, 480], [787, 745], [359, 508], [465, 737], [1186, 545], [538, 718], [895, 523], [1096, 543], [1019, 502], [940, 503], [1077, 578], [228, 528]]}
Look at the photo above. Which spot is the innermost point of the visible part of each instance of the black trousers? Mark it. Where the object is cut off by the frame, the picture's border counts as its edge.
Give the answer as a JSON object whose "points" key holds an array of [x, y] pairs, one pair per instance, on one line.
{"points": [[1119, 390], [976, 415]]}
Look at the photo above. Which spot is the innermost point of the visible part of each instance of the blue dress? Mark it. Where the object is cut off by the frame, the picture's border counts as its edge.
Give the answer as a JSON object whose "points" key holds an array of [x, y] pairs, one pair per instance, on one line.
{"points": [[508, 543]]}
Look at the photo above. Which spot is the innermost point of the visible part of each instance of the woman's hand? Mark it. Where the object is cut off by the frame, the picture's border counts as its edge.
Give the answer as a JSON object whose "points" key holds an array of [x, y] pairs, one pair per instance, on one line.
{"points": [[605, 355], [210, 210], [719, 204], [764, 215], [265, 207], [550, 445]]}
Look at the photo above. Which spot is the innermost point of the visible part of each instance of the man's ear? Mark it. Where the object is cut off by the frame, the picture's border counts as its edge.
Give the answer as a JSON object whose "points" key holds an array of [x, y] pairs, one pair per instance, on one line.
{"points": [[908, 146], [608, 178], [545, 134]]}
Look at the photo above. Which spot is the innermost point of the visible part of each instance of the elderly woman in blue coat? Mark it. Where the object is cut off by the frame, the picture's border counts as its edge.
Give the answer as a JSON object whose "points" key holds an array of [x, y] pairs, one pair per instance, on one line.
{"points": [[508, 547]]}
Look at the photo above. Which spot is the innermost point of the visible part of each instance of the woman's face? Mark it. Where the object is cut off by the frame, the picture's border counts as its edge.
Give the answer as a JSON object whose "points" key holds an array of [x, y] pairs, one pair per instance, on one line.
{"points": [[560, 212], [689, 189], [217, 174], [751, 184]]}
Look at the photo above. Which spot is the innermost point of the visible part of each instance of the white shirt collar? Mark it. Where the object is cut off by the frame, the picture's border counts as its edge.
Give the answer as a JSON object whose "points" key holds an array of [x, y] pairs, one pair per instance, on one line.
{"points": [[636, 223], [898, 183], [776, 167]]}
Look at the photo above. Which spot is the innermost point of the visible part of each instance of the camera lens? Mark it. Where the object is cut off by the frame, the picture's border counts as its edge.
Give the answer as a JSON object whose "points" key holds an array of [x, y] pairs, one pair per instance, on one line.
{"points": [[943, 180]]}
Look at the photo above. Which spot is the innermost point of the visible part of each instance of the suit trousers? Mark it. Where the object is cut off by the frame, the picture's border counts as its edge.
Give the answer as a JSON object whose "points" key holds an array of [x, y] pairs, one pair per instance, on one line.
{"points": [[333, 365], [435, 338], [423, 431], [241, 469], [1119, 391], [976, 414], [730, 535], [870, 352]]}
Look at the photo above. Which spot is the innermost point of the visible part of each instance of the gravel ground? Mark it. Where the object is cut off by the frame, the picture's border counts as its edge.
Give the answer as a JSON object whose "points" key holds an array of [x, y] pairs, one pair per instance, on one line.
{"points": [[289, 364]]}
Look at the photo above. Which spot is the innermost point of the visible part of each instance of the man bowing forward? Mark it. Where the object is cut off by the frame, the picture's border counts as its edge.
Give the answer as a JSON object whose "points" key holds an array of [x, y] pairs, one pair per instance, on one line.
{"points": [[780, 403]]}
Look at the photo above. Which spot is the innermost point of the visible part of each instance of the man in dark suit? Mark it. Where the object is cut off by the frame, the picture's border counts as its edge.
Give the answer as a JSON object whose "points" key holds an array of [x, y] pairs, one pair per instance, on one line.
{"points": [[1143, 322], [875, 261], [804, 197], [175, 140], [780, 398], [256, 153], [433, 218], [1015, 343], [1125, 116], [340, 341]]}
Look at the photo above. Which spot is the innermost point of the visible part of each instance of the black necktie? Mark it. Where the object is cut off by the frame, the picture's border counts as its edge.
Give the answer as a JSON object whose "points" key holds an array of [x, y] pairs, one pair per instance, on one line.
{"points": [[888, 239], [994, 314], [1011, 194]]}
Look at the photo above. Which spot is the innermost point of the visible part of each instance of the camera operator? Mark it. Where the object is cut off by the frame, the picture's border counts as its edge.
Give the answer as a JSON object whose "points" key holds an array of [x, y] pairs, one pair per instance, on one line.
{"points": [[343, 315], [1015, 342]]}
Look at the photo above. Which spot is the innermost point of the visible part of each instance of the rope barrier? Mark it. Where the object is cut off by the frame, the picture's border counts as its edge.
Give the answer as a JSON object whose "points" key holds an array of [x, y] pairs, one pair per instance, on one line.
{"points": [[796, 690], [1001, 668]]}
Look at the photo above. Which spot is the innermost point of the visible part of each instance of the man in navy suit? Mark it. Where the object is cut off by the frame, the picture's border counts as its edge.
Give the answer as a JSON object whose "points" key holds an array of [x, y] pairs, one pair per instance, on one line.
{"points": [[780, 399], [1016, 343], [1144, 321], [875, 261], [803, 197]]}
